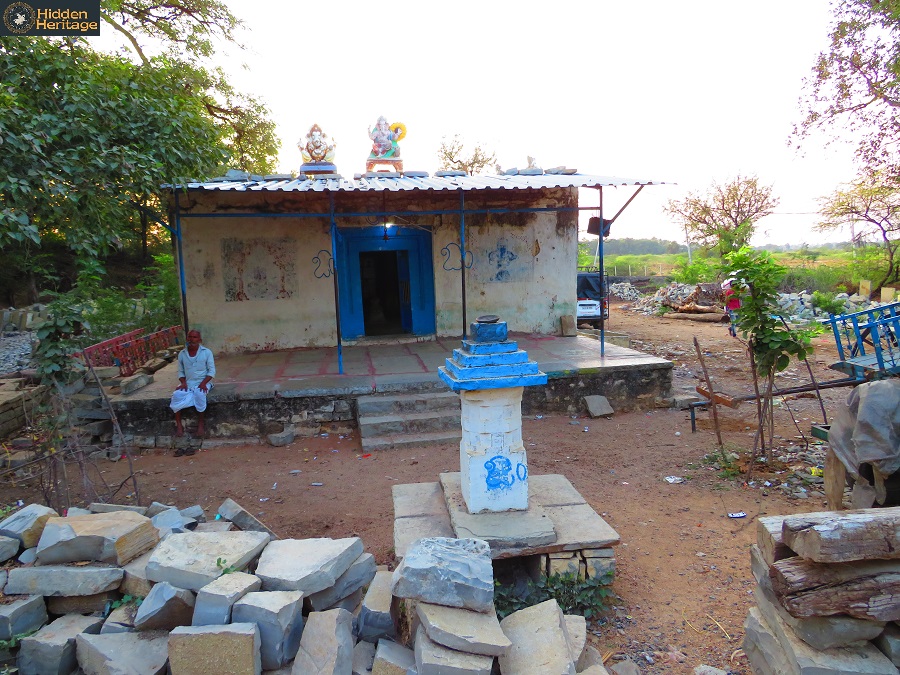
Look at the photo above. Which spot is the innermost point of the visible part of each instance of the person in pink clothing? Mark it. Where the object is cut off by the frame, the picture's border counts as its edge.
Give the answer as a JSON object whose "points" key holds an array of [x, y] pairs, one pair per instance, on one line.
{"points": [[732, 303]]}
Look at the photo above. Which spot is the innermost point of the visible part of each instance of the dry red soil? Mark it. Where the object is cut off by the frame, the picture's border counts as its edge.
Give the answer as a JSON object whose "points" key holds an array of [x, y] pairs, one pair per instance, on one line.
{"points": [[683, 581]]}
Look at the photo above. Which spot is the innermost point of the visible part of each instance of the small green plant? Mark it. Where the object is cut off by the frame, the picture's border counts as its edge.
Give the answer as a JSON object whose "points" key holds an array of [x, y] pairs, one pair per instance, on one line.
{"points": [[726, 462], [14, 641], [223, 565], [133, 600], [827, 302], [698, 271], [574, 595]]}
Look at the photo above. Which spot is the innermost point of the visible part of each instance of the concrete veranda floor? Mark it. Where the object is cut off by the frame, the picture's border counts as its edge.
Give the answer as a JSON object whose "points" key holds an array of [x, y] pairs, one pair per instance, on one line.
{"points": [[380, 368]]}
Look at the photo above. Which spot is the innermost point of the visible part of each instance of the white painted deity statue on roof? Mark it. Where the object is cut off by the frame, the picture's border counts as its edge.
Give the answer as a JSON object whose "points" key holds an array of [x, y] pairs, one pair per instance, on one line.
{"points": [[317, 146], [384, 139]]}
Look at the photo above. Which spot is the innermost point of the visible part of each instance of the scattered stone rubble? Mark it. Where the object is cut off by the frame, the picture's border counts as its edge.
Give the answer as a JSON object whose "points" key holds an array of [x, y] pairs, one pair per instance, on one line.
{"points": [[244, 601], [794, 307], [825, 601]]}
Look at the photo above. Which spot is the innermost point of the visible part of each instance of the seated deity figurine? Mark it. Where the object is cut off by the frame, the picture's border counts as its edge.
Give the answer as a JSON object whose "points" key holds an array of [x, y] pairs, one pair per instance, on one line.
{"points": [[317, 146], [384, 139]]}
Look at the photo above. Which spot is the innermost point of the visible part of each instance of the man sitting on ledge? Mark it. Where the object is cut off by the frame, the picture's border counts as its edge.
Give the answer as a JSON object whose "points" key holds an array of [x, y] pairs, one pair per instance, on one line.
{"points": [[196, 369]]}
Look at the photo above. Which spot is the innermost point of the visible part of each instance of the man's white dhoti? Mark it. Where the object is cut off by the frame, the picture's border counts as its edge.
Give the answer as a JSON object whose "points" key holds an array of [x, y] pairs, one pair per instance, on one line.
{"points": [[190, 397]]}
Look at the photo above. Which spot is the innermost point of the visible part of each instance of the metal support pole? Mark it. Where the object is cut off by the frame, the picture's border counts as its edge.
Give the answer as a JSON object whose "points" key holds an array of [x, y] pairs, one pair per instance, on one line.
{"points": [[602, 284], [181, 277], [337, 296], [462, 258]]}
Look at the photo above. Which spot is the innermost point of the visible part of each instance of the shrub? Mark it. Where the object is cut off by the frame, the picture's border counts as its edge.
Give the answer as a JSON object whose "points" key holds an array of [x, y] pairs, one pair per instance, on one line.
{"points": [[575, 596], [699, 271], [827, 303]]}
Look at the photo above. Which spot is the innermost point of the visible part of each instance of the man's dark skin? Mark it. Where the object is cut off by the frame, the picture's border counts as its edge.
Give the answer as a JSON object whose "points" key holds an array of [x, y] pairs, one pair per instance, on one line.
{"points": [[193, 343]]}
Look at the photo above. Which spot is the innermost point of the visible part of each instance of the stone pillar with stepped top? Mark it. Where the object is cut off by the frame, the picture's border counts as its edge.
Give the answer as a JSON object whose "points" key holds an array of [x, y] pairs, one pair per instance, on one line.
{"points": [[490, 373]]}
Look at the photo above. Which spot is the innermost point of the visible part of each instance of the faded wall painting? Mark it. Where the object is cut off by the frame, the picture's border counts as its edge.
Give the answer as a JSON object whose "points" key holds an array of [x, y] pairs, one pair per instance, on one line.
{"points": [[259, 268], [506, 258]]}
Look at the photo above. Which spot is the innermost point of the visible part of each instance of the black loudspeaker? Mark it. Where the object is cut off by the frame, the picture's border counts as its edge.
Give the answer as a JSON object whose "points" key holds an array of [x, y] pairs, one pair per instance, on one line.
{"points": [[594, 226]]}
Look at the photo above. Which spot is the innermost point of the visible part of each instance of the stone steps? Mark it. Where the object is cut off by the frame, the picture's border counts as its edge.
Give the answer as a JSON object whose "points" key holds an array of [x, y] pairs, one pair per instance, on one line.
{"points": [[408, 420], [410, 440]]}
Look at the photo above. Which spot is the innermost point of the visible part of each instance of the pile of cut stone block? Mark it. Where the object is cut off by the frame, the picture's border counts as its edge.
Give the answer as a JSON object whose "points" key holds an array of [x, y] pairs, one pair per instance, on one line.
{"points": [[18, 402], [228, 596], [827, 595]]}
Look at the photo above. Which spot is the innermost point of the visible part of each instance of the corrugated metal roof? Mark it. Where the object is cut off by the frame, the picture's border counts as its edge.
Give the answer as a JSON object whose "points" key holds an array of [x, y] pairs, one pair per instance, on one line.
{"points": [[369, 183]]}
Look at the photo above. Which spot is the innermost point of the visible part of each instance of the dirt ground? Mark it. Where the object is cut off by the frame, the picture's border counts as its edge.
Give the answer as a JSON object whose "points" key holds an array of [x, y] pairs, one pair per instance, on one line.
{"points": [[683, 580]]}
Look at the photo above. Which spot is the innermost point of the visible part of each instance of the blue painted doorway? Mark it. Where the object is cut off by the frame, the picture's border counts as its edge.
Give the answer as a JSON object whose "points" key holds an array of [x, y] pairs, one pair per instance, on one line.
{"points": [[386, 285]]}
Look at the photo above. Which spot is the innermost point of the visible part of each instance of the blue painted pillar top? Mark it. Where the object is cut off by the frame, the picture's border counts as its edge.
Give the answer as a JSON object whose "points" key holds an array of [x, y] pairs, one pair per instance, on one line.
{"points": [[489, 360]]}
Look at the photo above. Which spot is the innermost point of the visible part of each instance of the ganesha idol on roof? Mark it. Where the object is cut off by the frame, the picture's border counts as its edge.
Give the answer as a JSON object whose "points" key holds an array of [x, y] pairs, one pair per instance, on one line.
{"points": [[317, 150], [385, 147]]}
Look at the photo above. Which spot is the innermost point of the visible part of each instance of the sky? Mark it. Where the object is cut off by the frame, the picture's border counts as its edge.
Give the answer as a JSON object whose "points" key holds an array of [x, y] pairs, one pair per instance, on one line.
{"points": [[690, 92]]}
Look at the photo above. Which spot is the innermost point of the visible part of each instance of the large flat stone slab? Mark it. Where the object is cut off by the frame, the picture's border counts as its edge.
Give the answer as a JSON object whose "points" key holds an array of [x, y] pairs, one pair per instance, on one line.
{"points": [[63, 580], [540, 643], [391, 659], [578, 526], [52, 648], [307, 565], [189, 560], [378, 616], [502, 531], [114, 537], [232, 511], [326, 647], [165, 608], [418, 499], [451, 572], [27, 524], [434, 659], [121, 653], [358, 575], [553, 489], [22, 616], [409, 530], [216, 599], [223, 650], [463, 630], [279, 617]]}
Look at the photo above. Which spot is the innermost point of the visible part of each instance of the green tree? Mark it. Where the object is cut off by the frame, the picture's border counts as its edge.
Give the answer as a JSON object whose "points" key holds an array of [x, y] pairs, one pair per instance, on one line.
{"points": [[453, 155], [724, 217], [771, 342], [83, 134], [870, 205], [855, 83]]}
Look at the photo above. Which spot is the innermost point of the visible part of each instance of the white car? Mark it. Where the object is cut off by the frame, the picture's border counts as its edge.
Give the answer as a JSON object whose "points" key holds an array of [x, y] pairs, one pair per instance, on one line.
{"points": [[592, 311]]}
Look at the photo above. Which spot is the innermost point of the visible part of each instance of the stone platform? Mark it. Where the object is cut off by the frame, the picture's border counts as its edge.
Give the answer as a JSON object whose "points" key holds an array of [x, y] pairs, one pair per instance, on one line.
{"points": [[559, 523]]}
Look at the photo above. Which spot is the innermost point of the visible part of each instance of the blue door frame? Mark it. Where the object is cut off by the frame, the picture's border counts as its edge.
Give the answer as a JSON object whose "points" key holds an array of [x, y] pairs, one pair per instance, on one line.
{"points": [[417, 244]]}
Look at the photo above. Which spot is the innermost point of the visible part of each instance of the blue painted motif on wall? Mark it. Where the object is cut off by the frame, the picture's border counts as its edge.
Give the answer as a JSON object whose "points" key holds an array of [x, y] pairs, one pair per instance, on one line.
{"points": [[500, 475], [452, 257], [259, 269], [504, 258], [324, 264]]}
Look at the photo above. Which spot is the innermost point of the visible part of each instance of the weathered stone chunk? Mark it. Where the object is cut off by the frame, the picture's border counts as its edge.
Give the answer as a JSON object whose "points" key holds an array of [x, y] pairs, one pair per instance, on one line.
{"points": [[598, 406], [859, 659], [132, 384], [378, 616], [165, 608], [889, 643], [9, 548], [433, 659], [121, 653], [392, 659], [63, 580], [27, 524], [120, 620], [463, 629], [307, 565], [22, 616], [52, 648], [116, 537], [135, 581], [172, 520], [194, 512], [450, 572], [279, 617], [242, 518], [326, 647], [364, 658], [100, 507], [215, 526], [576, 632], [189, 560], [223, 650], [540, 643], [80, 604], [359, 574], [215, 600]]}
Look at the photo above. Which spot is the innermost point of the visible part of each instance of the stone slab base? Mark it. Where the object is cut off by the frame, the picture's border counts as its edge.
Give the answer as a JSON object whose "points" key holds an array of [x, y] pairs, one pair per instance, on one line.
{"points": [[424, 509]]}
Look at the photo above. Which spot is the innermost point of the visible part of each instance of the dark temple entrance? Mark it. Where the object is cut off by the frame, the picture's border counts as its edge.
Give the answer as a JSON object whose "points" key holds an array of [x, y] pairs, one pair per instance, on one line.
{"points": [[385, 292]]}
